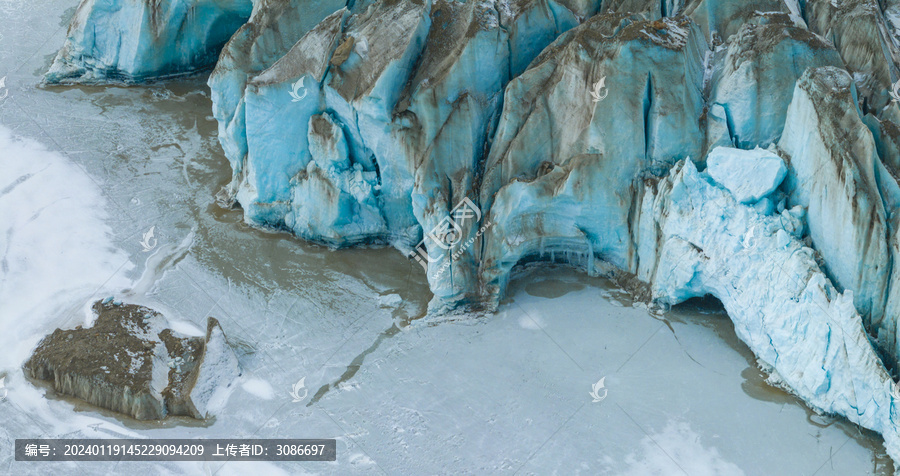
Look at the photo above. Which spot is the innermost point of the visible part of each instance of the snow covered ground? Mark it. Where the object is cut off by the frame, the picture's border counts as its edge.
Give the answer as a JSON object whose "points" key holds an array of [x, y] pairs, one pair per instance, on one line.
{"points": [[86, 173]]}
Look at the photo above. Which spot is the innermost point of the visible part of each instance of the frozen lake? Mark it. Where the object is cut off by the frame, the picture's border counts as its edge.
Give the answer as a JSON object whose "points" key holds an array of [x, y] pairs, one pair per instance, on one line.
{"points": [[87, 172]]}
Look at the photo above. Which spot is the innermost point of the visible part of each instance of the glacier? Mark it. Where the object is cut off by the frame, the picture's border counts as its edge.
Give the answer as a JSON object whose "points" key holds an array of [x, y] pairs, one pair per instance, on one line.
{"points": [[114, 41], [808, 336], [744, 150]]}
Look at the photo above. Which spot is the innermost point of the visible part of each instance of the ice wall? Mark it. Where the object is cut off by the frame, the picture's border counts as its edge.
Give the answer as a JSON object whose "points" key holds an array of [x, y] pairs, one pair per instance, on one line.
{"points": [[859, 31], [554, 143], [274, 27], [407, 93], [833, 176], [697, 240], [133, 41]]}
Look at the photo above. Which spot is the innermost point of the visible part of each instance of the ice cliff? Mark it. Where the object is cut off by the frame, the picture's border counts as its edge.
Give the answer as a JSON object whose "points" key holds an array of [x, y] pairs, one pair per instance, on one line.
{"points": [[806, 333], [131, 41], [745, 149]]}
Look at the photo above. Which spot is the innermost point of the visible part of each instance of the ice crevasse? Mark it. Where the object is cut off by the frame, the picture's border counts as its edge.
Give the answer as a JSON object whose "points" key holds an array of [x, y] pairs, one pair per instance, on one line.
{"points": [[679, 145]]}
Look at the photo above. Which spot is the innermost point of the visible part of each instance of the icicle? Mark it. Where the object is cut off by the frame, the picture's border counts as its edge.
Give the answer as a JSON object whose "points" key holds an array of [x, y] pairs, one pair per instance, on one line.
{"points": [[590, 258]]}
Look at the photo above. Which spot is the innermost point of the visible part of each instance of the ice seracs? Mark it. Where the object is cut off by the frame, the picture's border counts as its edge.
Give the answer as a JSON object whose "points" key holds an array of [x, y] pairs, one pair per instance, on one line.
{"points": [[353, 215], [806, 333], [274, 27], [554, 146], [833, 175], [752, 85], [133, 41], [749, 175]]}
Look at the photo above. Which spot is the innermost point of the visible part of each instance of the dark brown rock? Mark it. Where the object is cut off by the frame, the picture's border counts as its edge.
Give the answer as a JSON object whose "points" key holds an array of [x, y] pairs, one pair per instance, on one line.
{"points": [[129, 361]]}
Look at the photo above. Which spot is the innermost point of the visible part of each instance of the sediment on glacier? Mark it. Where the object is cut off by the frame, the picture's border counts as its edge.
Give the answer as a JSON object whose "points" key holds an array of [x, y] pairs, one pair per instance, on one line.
{"points": [[415, 88], [859, 31], [540, 175], [275, 26], [130, 361]]}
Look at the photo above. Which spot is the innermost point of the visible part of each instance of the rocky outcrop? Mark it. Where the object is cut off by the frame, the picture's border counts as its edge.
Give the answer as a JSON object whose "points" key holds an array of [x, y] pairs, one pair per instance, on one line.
{"points": [[131, 362]]}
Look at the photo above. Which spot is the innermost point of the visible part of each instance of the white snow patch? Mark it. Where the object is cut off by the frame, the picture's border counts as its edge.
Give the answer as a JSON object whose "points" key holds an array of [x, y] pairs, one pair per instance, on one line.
{"points": [[390, 300], [258, 388], [531, 321], [217, 372], [55, 246], [185, 327], [677, 450]]}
